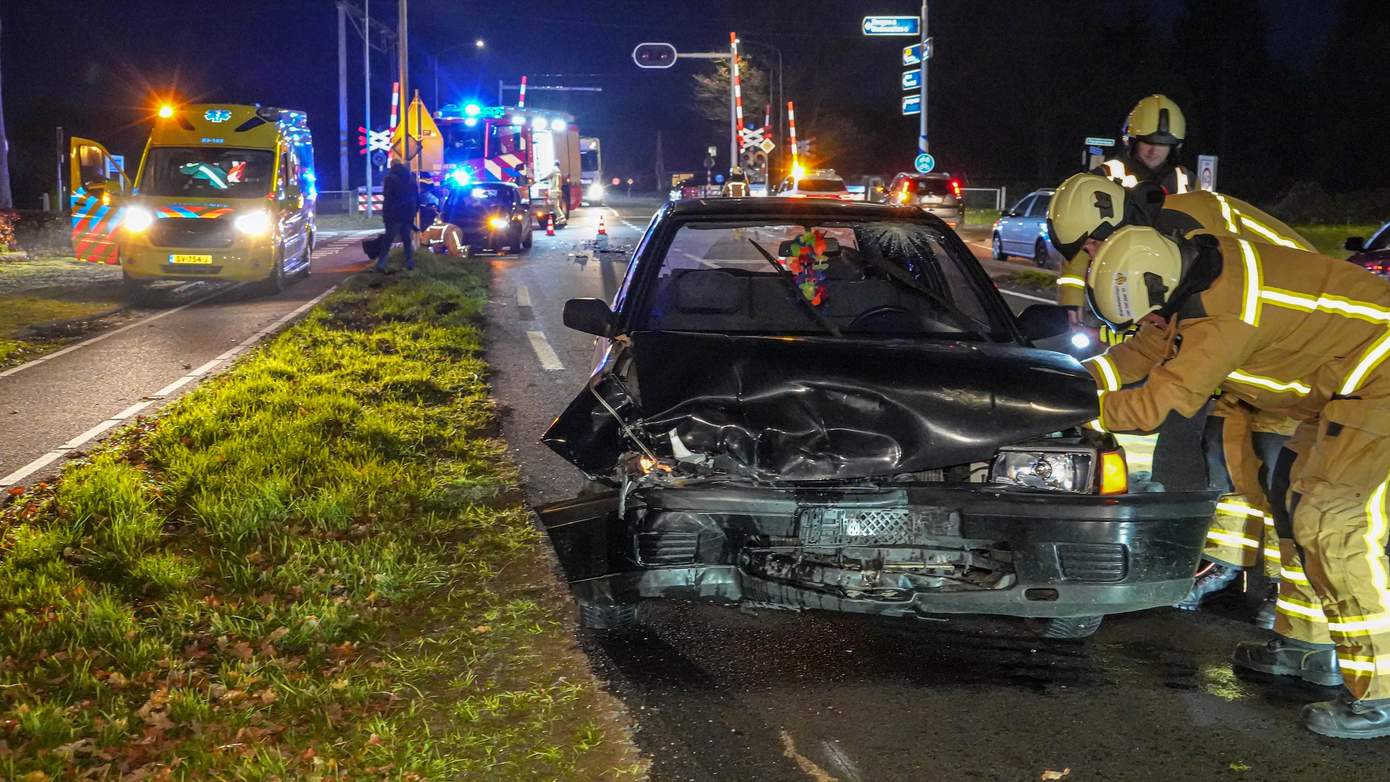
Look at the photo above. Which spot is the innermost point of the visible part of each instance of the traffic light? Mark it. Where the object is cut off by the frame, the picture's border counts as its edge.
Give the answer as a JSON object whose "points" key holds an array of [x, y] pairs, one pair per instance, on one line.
{"points": [[654, 55]]}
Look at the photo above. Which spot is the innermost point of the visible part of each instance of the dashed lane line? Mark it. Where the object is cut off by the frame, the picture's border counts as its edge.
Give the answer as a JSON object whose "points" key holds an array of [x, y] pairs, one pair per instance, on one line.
{"points": [[1027, 296], [524, 310], [130, 412], [107, 335], [549, 361]]}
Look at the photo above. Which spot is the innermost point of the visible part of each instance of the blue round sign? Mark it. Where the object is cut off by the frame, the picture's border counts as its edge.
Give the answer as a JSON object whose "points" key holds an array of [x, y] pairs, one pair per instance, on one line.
{"points": [[924, 163]]}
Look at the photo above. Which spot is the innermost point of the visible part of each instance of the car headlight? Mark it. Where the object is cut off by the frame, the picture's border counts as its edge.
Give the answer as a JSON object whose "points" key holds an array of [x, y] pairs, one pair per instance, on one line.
{"points": [[497, 223], [596, 192], [253, 223], [137, 219], [1038, 469]]}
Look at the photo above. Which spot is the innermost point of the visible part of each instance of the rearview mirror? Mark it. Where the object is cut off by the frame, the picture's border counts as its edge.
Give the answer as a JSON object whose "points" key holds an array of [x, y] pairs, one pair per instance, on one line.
{"points": [[590, 316], [832, 247], [1041, 321], [1355, 243]]}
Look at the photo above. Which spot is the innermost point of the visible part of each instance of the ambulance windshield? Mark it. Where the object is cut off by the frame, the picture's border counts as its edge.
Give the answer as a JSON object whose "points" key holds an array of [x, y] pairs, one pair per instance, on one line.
{"points": [[206, 172]]}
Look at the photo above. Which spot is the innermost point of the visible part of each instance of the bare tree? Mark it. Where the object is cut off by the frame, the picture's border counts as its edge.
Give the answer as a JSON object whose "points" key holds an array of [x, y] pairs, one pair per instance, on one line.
{"points": [[6, 199], [712, 92]]}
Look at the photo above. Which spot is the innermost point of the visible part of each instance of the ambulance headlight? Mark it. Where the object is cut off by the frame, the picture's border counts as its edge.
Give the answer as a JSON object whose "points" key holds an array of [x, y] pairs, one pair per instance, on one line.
{"points": [[137, 219], [253, 223], [1060, 470]]}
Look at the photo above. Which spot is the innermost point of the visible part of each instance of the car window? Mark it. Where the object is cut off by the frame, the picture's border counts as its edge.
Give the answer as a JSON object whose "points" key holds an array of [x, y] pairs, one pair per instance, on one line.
{"points": [[820, 185], [1021, 208], [208, 172], [480, 195], [936, 187], [1381, 241], [1039, 207], [713, 278]]}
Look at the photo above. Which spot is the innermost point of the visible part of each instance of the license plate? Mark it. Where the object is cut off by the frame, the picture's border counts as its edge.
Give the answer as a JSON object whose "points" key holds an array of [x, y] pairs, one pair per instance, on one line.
{"points": [[931, 199], [177, 258], [876, 526]]}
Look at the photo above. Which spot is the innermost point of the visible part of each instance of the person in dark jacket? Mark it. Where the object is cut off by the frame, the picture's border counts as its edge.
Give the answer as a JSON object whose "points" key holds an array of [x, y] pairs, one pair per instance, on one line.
{"points": [[400, 198]]}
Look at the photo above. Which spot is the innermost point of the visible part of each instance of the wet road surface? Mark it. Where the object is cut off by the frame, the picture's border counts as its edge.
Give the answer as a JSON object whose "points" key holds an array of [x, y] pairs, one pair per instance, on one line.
{"points": [[720, 694]]}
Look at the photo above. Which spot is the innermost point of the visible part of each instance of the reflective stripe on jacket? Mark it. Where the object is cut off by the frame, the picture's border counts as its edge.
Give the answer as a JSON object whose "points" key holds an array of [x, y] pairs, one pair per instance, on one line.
{"points": [[1280, 329]]}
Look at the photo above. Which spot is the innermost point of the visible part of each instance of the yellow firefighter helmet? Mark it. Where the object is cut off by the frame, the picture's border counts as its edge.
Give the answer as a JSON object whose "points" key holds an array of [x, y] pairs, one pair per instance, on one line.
{"points": [[1086, 206], [1156, 120], [1134, 274]]}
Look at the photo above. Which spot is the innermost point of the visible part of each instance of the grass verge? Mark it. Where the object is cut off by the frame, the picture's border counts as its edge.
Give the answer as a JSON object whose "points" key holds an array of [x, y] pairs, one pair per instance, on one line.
{"points": [[981, 216], [1028, 281], [1330, 238], [316, 566]]}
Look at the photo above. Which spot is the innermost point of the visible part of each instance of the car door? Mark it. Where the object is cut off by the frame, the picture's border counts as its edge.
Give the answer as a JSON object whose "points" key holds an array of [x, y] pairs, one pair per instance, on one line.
{"points": [[1035, 221], [1011, 225], [98, 187], [293, 217]]}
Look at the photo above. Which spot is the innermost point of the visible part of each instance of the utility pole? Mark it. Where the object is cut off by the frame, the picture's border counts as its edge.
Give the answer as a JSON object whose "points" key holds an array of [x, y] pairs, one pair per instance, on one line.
{"points": [[923, 145], [403, 49], [342, 99], [366, 98], [733, 102]]}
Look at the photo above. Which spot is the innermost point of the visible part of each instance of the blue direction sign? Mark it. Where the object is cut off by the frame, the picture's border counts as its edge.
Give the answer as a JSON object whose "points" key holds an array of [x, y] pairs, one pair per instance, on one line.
{"points": [[912, 80], [924, 163], [912, 104], [892, 25], [912, 55]]}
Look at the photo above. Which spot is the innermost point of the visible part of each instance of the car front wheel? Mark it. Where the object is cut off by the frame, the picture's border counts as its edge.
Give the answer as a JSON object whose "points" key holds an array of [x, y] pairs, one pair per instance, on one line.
{"points": [[997, 249], [1040, 257]]}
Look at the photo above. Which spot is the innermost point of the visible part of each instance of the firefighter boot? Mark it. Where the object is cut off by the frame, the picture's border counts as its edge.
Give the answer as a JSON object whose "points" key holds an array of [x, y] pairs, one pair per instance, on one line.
{"points": [[1345, 718], [1209, 583], [1313, 663], [1265, 616]]}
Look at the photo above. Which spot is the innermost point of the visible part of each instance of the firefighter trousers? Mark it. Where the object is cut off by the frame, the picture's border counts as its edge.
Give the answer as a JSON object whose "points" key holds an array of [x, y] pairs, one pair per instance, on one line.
{"points": [[1336, 585], [1240, 463]]}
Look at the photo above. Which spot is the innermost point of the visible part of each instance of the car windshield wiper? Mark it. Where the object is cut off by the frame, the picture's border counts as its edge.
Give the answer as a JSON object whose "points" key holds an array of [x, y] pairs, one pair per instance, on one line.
{"points": [[786, 276], [894, 272]]}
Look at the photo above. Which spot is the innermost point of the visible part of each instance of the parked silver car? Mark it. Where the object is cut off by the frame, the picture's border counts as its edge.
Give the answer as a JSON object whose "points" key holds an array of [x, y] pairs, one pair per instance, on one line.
{"points": [[937, 194], [1022, 231]]}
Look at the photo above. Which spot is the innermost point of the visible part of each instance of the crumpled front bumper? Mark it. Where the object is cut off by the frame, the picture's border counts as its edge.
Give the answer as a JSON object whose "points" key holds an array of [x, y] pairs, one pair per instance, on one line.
{"points": [[1073, 555]]}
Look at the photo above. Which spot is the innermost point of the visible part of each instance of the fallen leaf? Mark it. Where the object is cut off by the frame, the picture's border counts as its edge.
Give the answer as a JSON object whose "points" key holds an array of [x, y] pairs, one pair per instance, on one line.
{"points": [[482, 629], [374, 740], [1050, 774], [243, 650], [15, 491], [269, 696], [1239, 767], [34, 776], [307, 754], [277, 634]]}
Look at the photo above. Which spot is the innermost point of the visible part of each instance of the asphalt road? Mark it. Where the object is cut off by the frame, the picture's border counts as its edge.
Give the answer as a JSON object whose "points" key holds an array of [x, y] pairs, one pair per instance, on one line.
{"points": [[717, 694], [58, 404]]}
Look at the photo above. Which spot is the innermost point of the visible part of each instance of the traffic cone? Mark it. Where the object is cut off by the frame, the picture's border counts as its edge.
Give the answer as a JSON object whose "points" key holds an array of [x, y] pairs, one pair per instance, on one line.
{"points": [[602, 231], [549, 226], [601, 241]]}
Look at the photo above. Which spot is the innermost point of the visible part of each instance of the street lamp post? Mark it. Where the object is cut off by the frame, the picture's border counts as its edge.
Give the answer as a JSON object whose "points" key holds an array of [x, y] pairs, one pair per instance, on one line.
{"points": [[478, 43]]}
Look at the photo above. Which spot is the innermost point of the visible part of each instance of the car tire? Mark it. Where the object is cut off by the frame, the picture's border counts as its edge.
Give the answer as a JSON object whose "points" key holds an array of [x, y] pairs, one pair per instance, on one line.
{"points": [[1041, 258], [275, 283], [606, 616], [135, 291], [529, 240], [308, 259], [1068, 627], [997, 249]]}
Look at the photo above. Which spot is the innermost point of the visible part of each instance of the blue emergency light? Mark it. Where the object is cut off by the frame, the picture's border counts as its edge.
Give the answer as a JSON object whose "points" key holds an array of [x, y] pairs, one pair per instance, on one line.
{"points": [[461, 177]]}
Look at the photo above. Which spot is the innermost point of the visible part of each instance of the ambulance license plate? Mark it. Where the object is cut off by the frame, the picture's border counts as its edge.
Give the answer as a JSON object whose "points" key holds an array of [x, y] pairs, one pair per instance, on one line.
{"points": [[203, 259]]}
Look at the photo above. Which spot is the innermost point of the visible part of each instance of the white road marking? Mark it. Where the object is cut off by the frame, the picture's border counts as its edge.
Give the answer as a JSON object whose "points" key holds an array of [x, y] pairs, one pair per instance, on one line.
{"points": [[549, 361], [114, 332], [523, 296], [1027, 296], [130, 412]]}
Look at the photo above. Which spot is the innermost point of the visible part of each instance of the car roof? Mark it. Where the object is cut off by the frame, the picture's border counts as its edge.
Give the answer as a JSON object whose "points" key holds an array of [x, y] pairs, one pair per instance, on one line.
{"points": [[808, 207]]}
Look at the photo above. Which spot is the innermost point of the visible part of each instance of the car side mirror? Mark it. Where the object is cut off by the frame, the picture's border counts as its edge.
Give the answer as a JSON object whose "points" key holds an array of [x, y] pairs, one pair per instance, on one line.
{"points": [[1355, 243], [1041, 321], [590, 316]]}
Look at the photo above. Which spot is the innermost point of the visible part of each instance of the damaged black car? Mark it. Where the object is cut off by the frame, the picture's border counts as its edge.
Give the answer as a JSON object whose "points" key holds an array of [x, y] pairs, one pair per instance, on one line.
{"points": [[813, 405]]}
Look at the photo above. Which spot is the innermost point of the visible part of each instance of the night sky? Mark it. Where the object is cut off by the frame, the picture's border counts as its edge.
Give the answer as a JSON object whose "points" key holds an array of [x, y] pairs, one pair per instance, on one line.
{"points": [[95, 67]]}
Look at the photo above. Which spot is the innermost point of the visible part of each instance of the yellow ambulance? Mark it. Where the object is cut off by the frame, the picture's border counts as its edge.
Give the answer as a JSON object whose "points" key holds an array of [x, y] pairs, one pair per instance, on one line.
{"points": [[223, 192]]}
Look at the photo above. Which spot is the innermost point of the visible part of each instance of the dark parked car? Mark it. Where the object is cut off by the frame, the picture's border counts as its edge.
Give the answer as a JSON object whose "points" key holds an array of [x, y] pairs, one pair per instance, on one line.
{"points": [[490, 216], [1373, 253], [809, 404]]}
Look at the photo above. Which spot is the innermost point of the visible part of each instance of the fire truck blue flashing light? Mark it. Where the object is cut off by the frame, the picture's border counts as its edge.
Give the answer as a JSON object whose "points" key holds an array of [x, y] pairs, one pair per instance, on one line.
{"points": [[470, 122], [461, 177], [558, 125], [472, 110]]}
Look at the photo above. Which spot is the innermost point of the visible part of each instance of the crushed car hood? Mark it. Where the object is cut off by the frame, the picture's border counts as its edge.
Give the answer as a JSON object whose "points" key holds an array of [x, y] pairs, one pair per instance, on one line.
{"points": [[820, 408]]}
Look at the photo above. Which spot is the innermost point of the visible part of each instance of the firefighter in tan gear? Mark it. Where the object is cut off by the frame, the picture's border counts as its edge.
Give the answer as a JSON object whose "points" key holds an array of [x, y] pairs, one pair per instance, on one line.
{"points": [[1240, 443], [1154, 131], [1294, 334]]}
